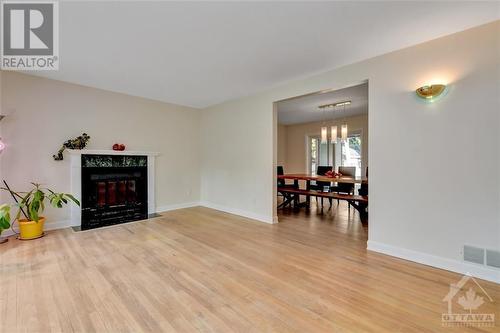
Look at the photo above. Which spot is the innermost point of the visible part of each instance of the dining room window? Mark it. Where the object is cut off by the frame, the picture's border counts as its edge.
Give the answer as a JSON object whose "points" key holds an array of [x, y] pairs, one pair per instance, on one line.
{"points": [[344, 153], [350, 152], [320, 153]]}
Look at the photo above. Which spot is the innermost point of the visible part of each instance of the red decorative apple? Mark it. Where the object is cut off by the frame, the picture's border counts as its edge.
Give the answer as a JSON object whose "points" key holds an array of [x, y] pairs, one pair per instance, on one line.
{"points": [[119, 146]]}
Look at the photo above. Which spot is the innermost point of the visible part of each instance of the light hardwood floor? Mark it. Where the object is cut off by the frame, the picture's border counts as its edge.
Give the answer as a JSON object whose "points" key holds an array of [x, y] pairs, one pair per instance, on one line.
{"points": [[202, 270]]}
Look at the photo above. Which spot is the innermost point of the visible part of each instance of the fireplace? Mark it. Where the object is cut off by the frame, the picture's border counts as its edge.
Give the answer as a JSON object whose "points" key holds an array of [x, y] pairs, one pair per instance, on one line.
{"points": [[114, 189]]}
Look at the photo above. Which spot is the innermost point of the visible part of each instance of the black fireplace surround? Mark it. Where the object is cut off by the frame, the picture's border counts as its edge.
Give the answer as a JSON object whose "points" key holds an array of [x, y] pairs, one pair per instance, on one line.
{"points": [[114, 190]]}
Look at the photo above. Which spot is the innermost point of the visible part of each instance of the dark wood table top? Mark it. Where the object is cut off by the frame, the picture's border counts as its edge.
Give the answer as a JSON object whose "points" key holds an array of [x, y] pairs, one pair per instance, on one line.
{"points": [[309, 177]]}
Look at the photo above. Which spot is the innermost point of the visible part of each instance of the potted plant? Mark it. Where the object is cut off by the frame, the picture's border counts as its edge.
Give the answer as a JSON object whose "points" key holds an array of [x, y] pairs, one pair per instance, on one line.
{"points": [[4, 220], [32, 205]]}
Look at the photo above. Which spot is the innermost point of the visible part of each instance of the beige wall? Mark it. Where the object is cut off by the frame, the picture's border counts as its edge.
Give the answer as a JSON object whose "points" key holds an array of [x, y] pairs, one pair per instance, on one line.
{"points": [[296, 141], [44, 113], [420, 207], [282, 146]]}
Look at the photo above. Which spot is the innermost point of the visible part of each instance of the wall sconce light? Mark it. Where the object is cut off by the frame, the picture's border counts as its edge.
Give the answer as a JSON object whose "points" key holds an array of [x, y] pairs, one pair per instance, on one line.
{"points": [[430, 92]]}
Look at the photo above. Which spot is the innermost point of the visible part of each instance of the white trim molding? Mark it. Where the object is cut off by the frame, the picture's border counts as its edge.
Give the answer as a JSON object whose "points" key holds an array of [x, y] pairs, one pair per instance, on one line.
{"points": [[111, 152], [261, 218], [167, 208], [47, 226], [479, 271], [76, 177]]}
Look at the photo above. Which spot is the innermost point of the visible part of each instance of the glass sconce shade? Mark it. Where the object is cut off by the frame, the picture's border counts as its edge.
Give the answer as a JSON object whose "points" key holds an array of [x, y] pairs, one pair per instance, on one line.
{"points": [[324, 134], [343, 132], [333, 134]]}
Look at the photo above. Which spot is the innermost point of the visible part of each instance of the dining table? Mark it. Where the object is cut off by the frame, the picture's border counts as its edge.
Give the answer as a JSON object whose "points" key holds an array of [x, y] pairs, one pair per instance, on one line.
{"points": [[296, 177]]}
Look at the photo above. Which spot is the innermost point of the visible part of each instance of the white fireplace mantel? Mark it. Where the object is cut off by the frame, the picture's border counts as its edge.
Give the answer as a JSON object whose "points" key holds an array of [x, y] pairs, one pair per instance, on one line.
{"points": [[76, 177]]}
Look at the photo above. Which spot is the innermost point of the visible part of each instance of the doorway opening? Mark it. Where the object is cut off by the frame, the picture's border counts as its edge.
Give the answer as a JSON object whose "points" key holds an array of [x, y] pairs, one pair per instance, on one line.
{"points": [[322, 156]]}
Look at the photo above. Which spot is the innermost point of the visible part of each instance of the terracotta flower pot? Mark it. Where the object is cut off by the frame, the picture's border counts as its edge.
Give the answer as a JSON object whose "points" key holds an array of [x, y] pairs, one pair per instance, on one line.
{"points": [[31, 229]]}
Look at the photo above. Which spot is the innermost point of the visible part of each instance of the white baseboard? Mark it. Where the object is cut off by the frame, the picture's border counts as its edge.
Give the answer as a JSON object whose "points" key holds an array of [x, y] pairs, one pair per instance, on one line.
{"points": [[48, 226], [253, 216], [479, 271], [167, 208], [67, 223], [250, 215]]}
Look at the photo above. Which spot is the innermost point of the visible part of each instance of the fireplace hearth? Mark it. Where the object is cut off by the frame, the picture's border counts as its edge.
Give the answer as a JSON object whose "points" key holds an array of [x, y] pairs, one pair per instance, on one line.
{"points": [[114, 189]]}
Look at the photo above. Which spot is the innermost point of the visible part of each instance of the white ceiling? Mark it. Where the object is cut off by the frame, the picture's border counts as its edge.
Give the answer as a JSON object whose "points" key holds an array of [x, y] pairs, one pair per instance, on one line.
{"points": [[203, 53], [305, 109]]}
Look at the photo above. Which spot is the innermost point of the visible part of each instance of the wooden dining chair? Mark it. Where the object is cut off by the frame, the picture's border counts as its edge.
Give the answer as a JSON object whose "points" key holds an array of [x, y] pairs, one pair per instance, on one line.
{"points": [[345, 188], [287, 198], [318, 186], [363, 190]]}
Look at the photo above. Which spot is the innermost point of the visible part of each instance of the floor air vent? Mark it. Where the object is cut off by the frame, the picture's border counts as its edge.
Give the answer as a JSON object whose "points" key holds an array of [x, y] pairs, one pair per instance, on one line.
{"points": [[493, 258], [474, 254]]}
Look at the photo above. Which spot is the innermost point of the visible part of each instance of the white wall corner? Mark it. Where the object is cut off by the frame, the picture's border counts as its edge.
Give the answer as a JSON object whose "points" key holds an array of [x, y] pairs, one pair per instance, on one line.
{"points": [[261, 218], [479, 271], [166, 208]]}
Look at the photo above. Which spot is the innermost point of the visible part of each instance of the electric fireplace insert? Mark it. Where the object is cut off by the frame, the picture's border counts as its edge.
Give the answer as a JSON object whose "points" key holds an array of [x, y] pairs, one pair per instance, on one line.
{"points": [[114, 190]]}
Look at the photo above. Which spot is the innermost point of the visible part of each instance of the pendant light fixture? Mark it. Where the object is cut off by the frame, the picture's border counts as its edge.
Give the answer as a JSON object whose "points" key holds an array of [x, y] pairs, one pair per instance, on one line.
{"points": [[324, 129], [333, 134], [343, 132], [333, 129], [343, 128], [324, 134]]}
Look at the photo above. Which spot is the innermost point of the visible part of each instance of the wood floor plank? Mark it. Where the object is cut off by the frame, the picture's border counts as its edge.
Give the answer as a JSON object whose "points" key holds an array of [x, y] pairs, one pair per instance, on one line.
{"points": [[200, 270]]}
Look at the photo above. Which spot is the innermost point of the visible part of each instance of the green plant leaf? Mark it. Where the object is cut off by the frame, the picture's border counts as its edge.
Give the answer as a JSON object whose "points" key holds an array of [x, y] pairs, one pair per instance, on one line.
{"points": [[33, 212], [4, 224], [33, 202], [72, 198], [4, 216], [27, 195]]}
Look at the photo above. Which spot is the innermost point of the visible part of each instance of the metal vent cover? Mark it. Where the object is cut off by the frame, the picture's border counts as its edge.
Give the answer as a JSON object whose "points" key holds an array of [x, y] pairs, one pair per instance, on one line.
{"points": [[493, 258], [474, 254]]}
